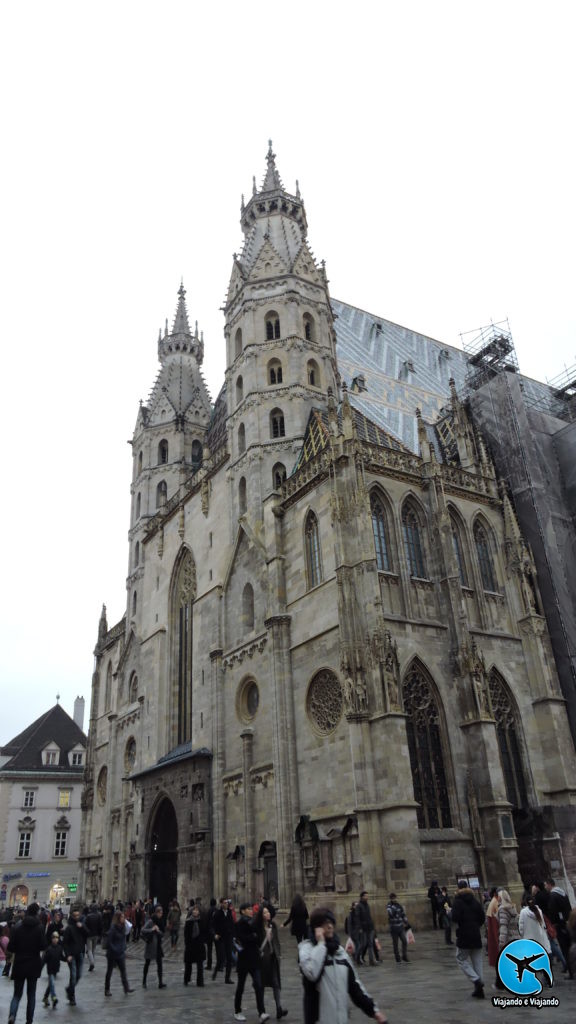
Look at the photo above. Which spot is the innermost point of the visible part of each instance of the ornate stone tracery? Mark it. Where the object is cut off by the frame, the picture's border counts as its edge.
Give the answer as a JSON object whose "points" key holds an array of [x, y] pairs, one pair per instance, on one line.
{"points": [[324, 702]]}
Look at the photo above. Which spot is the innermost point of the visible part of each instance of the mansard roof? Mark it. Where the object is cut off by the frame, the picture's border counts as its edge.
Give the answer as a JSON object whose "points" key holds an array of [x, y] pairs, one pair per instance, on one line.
{"points": [[55, 726]]}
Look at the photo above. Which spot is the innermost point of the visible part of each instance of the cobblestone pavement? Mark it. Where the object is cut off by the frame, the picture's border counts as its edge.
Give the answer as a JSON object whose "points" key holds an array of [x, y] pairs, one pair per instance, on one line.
{"points": [[431, 988]]}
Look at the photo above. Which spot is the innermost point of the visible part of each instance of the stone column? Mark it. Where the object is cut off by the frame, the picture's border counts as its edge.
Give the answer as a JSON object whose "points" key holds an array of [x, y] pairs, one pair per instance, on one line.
{"points": [[247, 736], [219, 879], [285, 760]]}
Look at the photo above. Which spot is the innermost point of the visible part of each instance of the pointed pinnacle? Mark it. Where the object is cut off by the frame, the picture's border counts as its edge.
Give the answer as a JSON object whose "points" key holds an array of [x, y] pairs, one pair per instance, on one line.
{"points": [[181, 325]]}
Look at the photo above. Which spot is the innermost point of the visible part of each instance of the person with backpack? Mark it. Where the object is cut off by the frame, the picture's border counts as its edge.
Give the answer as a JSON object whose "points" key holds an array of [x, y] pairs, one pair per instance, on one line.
{"points": [[329, 976]]}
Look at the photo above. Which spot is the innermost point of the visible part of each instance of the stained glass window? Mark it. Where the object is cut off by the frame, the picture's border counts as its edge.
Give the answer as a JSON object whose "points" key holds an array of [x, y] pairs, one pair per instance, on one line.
{"points": [[413, 542], [458, 552], [484, 558], [426, 753], [508, 740], [380, 528], [313, 561]]}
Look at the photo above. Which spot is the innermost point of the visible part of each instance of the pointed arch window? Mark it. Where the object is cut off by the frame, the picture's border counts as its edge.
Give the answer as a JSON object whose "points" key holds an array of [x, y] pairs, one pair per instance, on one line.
{"points": [[381, 535], [139, 462], [138, 505], [108, 690], [309, 332], [241, 439], [183, 595], [161, 494], [238, 343], [136, 554], [248, 607], [197, 456], [277, 428], [133, 688], [163, 453], [313, 554], [272, 325], [242, 504], [484, 554], [278, 475], [239, 390], [413, 543], [458, 551], [507, 732], [423, 730], [274, 371], [313, 373], [134, 602]]}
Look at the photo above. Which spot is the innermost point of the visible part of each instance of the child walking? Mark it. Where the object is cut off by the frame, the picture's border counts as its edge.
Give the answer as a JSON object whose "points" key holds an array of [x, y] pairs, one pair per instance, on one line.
{"points": [[52, 957]]}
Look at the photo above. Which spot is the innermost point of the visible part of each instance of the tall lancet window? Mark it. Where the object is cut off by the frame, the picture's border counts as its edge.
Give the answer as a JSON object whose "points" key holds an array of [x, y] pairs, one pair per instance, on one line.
{"points": [[509, 745], [313, 558], [183, 595], [380, 530], [484, 553], [425, 745]]}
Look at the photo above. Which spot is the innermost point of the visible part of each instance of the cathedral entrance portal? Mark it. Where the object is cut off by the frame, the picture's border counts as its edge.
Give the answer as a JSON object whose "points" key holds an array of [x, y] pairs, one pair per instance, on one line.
{"points": [[268, 855], [164, 855]]}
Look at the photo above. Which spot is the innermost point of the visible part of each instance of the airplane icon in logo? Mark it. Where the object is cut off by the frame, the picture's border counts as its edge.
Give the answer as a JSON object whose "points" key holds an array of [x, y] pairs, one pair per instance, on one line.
{"points": [[525, 964]]}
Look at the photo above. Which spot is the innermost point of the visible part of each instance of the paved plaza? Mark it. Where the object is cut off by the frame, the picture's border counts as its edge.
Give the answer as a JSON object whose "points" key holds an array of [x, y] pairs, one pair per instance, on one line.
{"points": [[429, 990]]}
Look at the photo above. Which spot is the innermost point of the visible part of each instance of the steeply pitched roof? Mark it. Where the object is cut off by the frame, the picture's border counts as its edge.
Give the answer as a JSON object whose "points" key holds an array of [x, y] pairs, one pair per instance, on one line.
{"points": [[55, 726], [318, 433]]}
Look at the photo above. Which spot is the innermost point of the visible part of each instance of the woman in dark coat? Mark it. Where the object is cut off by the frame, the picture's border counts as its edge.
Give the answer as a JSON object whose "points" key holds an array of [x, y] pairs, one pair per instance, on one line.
{"points": [[270, 950], [116, 952], [298, 918], [195, 935], [26, 944]]}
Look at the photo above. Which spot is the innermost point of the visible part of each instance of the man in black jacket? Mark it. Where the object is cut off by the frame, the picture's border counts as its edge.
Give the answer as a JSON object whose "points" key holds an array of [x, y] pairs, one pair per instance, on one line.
{"points": [[366, 930], [74, 943], [468, 915], [26, 945], [559, 911], [248, 947], [223, 928]]}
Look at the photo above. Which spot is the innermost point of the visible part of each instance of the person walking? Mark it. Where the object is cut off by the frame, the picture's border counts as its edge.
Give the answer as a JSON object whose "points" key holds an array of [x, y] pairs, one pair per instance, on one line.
{"points": [[433, 892], [352, 929], [152, 933], [398, 925], [194, 945], [27, 943], [531, 925], [74, 944], [173, 924], [507, 920], [248, 949], [297, 918], [116, 952], [492, 934], [271, 955], [468, 916], [367, 932], [52, 958], [210, 932], [445, 914], [559, 910], [93, 922], [223, 923], [330, 972]]}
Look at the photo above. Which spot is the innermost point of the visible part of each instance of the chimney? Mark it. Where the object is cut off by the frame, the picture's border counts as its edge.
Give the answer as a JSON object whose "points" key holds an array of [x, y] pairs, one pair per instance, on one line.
{"points": [[79, 712]]}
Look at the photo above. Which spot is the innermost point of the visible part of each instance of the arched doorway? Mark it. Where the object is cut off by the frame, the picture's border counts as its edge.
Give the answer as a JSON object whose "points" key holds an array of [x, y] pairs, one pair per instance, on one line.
{"points": [[164, 854], [19, 896]]}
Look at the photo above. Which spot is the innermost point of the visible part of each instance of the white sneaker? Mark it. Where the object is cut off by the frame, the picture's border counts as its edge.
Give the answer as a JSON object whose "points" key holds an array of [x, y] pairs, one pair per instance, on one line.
{"points": [[264, 1016], [239, 1016]]}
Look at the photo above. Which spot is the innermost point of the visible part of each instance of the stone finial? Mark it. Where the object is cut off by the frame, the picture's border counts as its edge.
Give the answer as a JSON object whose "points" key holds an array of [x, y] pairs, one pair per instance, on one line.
{"points": [[181, 325], [102, 624]]}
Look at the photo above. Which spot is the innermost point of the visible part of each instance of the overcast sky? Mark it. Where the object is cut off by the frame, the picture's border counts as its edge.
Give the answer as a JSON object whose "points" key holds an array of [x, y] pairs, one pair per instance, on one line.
{"points": [[434, 146]]}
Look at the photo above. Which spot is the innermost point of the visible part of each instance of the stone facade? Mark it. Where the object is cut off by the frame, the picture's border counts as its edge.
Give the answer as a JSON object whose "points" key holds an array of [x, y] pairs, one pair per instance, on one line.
{"points": [[334, 672]]}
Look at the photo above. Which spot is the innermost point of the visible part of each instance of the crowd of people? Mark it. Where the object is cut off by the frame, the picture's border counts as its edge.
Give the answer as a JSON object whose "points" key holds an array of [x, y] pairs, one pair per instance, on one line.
{"points": [[219, 939]]}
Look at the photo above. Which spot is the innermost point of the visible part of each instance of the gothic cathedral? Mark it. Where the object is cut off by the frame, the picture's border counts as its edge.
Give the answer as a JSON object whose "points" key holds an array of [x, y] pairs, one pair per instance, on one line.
{"points": [[334, 670]]}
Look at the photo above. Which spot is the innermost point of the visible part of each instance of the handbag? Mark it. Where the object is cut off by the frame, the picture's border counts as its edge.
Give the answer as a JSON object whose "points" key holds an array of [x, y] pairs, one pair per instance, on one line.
{"points": [[550, 929], [410, 937]]}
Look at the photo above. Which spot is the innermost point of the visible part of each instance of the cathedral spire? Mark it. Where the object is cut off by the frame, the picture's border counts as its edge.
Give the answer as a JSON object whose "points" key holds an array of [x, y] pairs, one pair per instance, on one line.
{"points": [[272, 178], [181, 325]]}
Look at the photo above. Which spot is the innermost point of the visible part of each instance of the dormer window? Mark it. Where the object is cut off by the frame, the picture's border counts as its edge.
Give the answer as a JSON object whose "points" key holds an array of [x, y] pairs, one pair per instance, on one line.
{"points": [[51, 756], [76, 758]]}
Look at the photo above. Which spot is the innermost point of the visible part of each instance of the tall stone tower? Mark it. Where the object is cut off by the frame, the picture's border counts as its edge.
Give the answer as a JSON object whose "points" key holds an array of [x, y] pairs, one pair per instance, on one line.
{"points": [[280, 342], [169, 437]]}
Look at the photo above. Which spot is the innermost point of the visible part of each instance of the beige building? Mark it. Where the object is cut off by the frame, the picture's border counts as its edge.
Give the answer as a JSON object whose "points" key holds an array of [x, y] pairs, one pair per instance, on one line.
{"points": [[41, 775], [334, 671]]}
